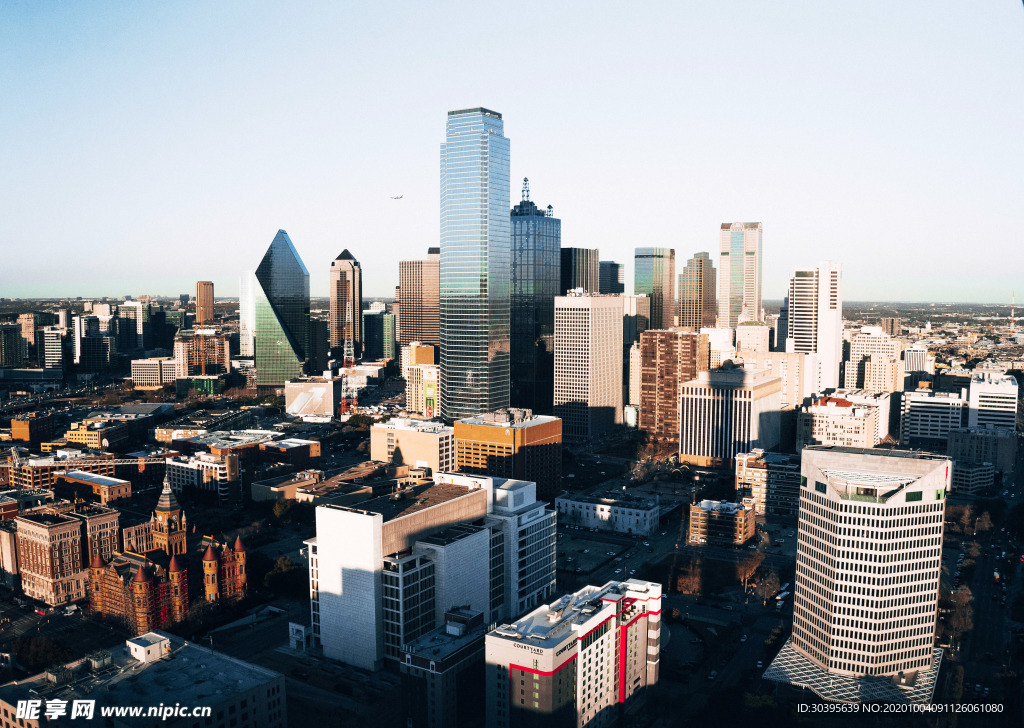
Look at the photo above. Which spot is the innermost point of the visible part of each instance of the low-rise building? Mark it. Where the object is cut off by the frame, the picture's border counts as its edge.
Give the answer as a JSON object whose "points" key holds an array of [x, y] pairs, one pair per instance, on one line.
{"points": [[153, 373], [717, 522], [157, 670], [619, 513], [836, 421], [101, 488], [204, 471], [972, 478], [442, 673], [417, 443], [928, 416], [584, 660]]}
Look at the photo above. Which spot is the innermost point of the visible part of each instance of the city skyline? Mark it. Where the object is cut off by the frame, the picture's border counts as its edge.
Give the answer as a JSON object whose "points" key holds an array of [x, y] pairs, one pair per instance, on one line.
{"points": [[275, 151]]}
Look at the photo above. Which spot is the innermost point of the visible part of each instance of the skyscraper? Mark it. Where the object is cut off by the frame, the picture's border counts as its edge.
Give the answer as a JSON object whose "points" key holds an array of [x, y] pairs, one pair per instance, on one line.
{"points": [[611, 277], [475, 264], [419, 295], [580, 269], [346, 303], [536, 242], [655, 274], [204, 302], [698, 307], [868, 562], [282, 314], [739, 273], [247, 314], [816, 319], [669, 359], [378, 335], [588, 365]]}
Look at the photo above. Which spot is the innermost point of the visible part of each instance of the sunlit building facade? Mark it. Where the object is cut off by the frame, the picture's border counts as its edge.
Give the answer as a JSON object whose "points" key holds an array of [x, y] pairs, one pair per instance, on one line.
{"points": [[282, 314]]}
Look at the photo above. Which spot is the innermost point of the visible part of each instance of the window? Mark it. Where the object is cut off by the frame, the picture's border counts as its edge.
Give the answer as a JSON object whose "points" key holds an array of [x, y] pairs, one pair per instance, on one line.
{"points": [[916, 496]]}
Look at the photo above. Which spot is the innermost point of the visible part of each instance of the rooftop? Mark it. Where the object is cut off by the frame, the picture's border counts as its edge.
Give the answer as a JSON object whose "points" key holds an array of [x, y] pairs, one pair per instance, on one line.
{"points": [[189, 674], [93, 478], [442, 642], [614, 499], [410, 500], [234, 438], [721, 506], [412, 425], [512, 417]]}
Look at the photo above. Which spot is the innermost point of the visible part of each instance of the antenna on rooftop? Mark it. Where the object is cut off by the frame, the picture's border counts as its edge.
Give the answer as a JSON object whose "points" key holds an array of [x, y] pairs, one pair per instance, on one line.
{"points": [[526, 189]]}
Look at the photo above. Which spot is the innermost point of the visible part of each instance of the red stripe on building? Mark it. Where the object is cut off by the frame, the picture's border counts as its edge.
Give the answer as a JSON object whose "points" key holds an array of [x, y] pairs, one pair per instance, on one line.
{"points": [[541, 672]]}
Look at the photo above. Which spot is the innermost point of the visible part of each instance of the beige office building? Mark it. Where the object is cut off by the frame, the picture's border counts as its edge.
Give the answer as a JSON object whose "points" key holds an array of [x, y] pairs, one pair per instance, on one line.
{"points": [[50, 558], [874, 362], [417, 443], [419, 283]]}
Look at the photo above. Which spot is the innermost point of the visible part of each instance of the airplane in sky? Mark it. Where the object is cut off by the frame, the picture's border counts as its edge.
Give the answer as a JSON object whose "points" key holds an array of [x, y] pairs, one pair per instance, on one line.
{"points": [[398, 198]]}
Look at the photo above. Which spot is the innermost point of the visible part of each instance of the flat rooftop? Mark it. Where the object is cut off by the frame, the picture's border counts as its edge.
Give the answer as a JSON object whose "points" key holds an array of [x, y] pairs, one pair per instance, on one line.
{"points": [[190, 674], [516, 419], [721, 506], [94, 478], [413, 499], [906, 454], [46, 519], [438, 644], [451, 535], [611, 499], [237, 438]]}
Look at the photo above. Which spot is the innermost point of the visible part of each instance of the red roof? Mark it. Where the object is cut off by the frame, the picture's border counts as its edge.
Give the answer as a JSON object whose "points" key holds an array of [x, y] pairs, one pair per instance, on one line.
{"points": [[239, 546], [141, 575], [209, 555], [835, 402], [174, 566], [97, 561]]}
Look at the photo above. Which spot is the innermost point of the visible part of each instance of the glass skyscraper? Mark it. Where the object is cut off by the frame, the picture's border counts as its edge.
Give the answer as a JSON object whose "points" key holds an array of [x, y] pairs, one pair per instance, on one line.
{"points": [[282, 314], [611, 277], [739, 273], [475, 264], [536, 242], [697, 305], [654, 273], [580, 269]]}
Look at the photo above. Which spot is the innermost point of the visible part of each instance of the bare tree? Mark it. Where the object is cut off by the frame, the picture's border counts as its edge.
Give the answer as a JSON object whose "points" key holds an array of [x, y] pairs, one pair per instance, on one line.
{"points": [[768, 587], [984, 523], [962, 619], [965, 520], [749, 566]]}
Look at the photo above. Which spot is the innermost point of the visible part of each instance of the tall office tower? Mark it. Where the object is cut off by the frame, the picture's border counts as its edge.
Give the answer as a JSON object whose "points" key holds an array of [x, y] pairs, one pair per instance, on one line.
{"points": [[51, 348], [346, 289], [928, 416], [588, 365], [739, 273], [580, 269], [133, 328], [611, 277], [378, 335], [782, 326], [654, 273], [584, 660], [816, 319], [536, 277], [94, 349], [632, 396], [883, 373], [917, 359], [721, 346], [668, 359], [419, 285], [385, 571], [282, 314], [204, 302], [799, 372], [636, 319], [201, 353], [753, 336], [513, 443], [993, 401], [698, 307], [476, 264], [892, 326], [728, 411], [12, 346], [868, 561], [319, 346], [247, 314], [870, 342]]}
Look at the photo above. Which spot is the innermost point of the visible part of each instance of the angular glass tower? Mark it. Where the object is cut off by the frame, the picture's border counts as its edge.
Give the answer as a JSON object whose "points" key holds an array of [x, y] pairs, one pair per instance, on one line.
{"points": [[654, 273], [475, 264], [282, 314], [536, 265], [739, 273]]}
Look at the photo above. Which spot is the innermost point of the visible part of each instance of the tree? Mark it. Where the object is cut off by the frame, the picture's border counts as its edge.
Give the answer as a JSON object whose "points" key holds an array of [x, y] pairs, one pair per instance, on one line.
{"points": [[40, 652], [973, 550], [749, 566], [965, 520], [768, 587], [287, 578], [962, 619], [984, 523]]}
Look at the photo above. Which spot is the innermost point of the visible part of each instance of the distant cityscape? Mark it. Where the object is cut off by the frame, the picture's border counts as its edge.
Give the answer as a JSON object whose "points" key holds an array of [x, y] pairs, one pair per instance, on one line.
{"points": [[512, 493]]}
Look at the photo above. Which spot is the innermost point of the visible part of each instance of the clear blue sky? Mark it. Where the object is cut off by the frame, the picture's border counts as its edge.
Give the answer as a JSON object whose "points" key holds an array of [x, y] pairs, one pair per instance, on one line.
{"points": [[148, 145]]}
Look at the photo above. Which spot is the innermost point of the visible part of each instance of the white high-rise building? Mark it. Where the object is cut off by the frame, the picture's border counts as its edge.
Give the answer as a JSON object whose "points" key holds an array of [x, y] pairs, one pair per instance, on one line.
{"points": [[739, 273], [917, 359], [927, 417], [816, 319], [384, 571], [247, 314], [868, 561], [588, 364], [724, 412], [870, 351], [993, 401], [583, 660], [799, 373]]}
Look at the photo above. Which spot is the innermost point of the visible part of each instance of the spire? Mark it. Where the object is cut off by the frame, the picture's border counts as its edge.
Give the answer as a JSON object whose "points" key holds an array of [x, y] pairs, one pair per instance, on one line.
{"points": [[209, 555], [526, 189], [141, 576], [97, 561], [174, 567], [167, 500], [345, 255], [239, 546]]}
